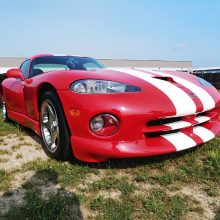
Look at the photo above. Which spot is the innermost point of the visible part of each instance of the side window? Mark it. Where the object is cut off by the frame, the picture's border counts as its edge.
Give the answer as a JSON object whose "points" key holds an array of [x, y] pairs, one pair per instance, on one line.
{"points": [[24, 68]]}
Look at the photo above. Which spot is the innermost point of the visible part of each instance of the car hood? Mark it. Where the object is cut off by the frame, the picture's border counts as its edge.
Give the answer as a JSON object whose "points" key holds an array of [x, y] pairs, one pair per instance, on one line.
{"points": [[62, 79], [183, 89]]}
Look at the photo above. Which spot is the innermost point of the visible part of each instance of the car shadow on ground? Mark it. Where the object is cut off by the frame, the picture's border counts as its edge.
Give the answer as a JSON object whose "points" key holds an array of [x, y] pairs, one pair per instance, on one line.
{"points": [[125, 163], [40, 197]]}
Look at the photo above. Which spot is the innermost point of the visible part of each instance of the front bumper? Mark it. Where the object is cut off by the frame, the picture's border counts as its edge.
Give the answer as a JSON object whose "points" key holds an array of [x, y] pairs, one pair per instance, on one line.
{"points": [[96, 150], [134, 137]]}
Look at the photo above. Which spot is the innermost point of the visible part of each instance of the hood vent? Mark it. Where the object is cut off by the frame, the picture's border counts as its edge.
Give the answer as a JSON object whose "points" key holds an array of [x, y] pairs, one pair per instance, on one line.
{"points": [[164, 78]]}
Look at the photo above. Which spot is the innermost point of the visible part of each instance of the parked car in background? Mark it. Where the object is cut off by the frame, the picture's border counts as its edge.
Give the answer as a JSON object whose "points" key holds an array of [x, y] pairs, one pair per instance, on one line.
{"points": [[212, 75], [3, 71], [2, 77], [78, 106]]}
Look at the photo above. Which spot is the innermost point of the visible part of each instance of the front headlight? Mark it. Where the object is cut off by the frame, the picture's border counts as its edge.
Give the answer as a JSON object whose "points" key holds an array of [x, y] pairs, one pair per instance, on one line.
{"points": [[204, 82], [90, 86]]}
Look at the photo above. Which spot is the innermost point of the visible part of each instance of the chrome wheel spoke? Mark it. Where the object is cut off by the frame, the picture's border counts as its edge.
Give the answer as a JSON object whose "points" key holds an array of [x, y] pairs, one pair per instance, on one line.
{"points": [[46, 123], [51, 114], [49, 125], [54, 136]]}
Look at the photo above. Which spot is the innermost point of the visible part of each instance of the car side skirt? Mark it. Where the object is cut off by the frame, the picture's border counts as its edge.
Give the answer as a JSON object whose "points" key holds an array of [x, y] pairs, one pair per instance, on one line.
{"points": [[25, 121]]}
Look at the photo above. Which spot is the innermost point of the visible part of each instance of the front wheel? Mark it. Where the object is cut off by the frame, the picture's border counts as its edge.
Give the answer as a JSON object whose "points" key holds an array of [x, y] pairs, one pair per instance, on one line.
{"points": [[54, 130]]}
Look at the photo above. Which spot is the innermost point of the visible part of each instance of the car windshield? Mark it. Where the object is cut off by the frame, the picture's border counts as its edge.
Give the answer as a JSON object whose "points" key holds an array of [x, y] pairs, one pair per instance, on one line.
{"points": [[51, 63]]}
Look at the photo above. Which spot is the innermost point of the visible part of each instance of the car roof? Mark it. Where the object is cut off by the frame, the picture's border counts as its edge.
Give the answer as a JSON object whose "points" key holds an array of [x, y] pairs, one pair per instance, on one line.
{"points": [[46, 55]]}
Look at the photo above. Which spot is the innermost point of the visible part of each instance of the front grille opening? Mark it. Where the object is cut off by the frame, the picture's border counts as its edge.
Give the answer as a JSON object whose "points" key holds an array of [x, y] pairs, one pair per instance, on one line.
{"points": [[156, 134], [201, 124], [202, 114], [163, 121]]}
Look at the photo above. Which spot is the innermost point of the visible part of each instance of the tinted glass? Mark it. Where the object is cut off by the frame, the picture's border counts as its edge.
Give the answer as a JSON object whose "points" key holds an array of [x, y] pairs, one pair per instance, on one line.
{"points": [[24, 68], [51, 63]]}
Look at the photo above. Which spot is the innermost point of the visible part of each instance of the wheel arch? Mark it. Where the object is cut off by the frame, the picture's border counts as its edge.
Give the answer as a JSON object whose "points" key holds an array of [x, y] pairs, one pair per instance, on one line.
{"points": [[45, 87], [66, 152]]}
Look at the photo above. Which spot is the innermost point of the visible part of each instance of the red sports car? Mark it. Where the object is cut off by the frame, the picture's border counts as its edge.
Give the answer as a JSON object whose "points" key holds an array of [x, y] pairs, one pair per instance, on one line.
{"points": [[78, 106]]}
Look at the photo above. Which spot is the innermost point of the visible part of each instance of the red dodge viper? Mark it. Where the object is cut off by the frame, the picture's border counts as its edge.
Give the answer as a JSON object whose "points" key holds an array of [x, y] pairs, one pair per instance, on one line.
{"points": [[78, 106]]}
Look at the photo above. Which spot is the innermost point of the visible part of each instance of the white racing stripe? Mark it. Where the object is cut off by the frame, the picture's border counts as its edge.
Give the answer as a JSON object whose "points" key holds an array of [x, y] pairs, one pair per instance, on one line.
{"points": [[203, 133], [202, 119], [133, 72], [183, 103], [204, 96], [180, 140], [178, 124]]}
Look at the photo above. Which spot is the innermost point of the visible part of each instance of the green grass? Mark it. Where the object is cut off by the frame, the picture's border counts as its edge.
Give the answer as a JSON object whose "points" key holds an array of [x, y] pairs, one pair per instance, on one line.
{"points": [[141, 177], [65, 173], [3, 160], [4, 180], [201, 165], [3, 152], [156, 204], [19, 156], [9, 128], [212, 189], [16, 147], [217, 216], [159, 205], [57, 206], [111, 209], [113, 182]]}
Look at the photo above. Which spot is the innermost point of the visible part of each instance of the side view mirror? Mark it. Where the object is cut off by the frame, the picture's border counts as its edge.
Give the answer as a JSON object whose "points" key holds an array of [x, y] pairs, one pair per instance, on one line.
{"points": [[15, 73]]}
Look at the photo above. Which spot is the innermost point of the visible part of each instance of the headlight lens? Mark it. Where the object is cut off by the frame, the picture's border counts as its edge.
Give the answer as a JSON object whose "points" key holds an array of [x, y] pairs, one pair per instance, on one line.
{"points": [[204, 82], [97, 123], [101, 87]]}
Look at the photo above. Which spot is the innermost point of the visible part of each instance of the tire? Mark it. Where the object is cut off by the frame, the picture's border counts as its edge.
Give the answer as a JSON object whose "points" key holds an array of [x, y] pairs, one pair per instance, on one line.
{"points": [[4, 114], [54, 129]]}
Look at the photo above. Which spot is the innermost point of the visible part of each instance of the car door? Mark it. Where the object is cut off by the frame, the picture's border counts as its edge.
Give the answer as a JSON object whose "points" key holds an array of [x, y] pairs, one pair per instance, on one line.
{"points": [[15, 93]]}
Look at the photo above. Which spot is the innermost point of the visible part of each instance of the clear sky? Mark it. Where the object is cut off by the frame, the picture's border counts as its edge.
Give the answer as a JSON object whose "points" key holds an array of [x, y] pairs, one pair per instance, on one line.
{"points": [[133, 29]]}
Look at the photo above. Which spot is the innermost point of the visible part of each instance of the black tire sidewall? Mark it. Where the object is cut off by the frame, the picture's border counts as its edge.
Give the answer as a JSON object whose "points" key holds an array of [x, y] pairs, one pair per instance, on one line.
{"points": [[63, 151]]}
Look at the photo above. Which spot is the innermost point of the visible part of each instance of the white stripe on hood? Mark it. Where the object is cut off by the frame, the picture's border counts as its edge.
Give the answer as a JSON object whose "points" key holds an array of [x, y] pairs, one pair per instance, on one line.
{"points": [[181, 100], [206, 99]]}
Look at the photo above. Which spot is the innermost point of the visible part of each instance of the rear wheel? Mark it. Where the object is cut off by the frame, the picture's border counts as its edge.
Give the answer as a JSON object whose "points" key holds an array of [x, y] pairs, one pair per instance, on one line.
{"points": [[54, 130], [4, 110]]}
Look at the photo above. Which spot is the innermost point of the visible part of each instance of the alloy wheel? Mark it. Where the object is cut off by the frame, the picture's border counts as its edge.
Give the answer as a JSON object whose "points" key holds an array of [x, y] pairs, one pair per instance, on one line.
{"points": [[49, 125]]}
